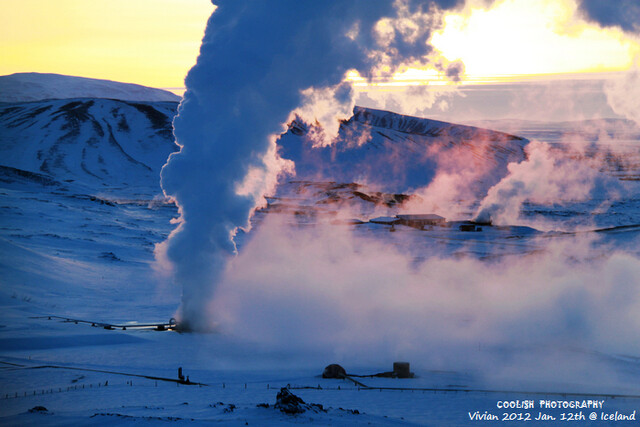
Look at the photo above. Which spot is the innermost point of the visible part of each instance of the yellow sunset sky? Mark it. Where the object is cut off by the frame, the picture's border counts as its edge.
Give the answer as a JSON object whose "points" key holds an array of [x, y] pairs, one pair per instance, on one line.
{"points": [[155, 42], [149, 42]]}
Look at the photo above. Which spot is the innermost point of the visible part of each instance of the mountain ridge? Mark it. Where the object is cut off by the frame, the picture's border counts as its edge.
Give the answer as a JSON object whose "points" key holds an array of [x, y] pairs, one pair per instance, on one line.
{"points": [[398, 153], [26, 87], [101, 143], [420, 126]]}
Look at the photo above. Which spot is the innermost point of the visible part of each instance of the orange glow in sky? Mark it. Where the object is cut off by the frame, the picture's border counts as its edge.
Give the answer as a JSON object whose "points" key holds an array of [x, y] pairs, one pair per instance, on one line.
{"points": [[155, 42], [149, 42]]}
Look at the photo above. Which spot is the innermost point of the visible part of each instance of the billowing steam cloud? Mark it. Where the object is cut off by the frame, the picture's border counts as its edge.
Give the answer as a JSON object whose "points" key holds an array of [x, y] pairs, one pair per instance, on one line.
{"points": [[623, 94], [336, 292], [333, 295], [546, 177], [259, 61]]}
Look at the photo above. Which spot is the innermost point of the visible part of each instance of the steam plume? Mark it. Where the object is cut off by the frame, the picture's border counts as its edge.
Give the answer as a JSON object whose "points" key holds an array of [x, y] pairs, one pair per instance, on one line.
{"points": [[623, 94], [258, 62], [332, 294], [545, 177]]}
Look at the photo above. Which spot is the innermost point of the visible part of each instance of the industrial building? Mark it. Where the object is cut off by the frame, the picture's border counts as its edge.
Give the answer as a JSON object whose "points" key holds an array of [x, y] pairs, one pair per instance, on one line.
{"points": [[421, 220], [418, 221]]}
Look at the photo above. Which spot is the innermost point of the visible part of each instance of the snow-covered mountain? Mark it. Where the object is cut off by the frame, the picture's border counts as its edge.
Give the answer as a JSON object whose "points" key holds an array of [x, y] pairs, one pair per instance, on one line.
{"points": [[101, 143], [23, 87], [399, 153], [111, 143]]}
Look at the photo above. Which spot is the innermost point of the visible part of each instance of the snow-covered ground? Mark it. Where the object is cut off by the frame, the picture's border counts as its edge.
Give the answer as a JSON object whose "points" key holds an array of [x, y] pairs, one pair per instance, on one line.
{"points": [[82, 212]]}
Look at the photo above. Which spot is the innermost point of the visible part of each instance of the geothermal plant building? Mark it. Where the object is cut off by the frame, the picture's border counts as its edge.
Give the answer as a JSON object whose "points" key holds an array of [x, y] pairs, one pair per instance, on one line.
{"points": [[415, 221]]}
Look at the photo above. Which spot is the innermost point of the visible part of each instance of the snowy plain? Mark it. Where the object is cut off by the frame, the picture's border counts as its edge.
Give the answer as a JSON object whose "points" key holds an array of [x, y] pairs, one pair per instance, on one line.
{"points": [[82, 211]]}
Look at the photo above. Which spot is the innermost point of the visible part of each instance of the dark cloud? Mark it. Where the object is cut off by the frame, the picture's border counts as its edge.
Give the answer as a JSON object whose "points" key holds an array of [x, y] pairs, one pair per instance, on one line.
{"points": [[614, 13], [455, 70], [444, 4]]}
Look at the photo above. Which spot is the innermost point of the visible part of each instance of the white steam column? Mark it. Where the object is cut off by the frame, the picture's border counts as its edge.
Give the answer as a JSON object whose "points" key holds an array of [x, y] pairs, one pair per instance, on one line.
{"points": [[255, 59], [259, 61]]}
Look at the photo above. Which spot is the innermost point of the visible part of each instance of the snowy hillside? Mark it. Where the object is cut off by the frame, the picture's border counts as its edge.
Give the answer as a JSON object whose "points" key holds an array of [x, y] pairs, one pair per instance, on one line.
{"points": [[102, 143], [81, 218], [23, 87], [400, 153]]}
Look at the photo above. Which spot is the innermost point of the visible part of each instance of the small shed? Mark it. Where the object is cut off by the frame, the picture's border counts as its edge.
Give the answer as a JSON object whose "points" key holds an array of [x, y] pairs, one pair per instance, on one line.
{"points": [[421, 220]]}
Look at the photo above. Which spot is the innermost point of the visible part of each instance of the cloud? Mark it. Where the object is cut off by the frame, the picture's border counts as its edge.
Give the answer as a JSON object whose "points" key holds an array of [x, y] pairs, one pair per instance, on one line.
{"points": [[621, 13]]}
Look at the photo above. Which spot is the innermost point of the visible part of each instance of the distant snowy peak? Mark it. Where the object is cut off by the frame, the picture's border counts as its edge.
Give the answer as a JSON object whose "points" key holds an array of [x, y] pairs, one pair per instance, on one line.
{"points": [[423, 126], [26, 87]]}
